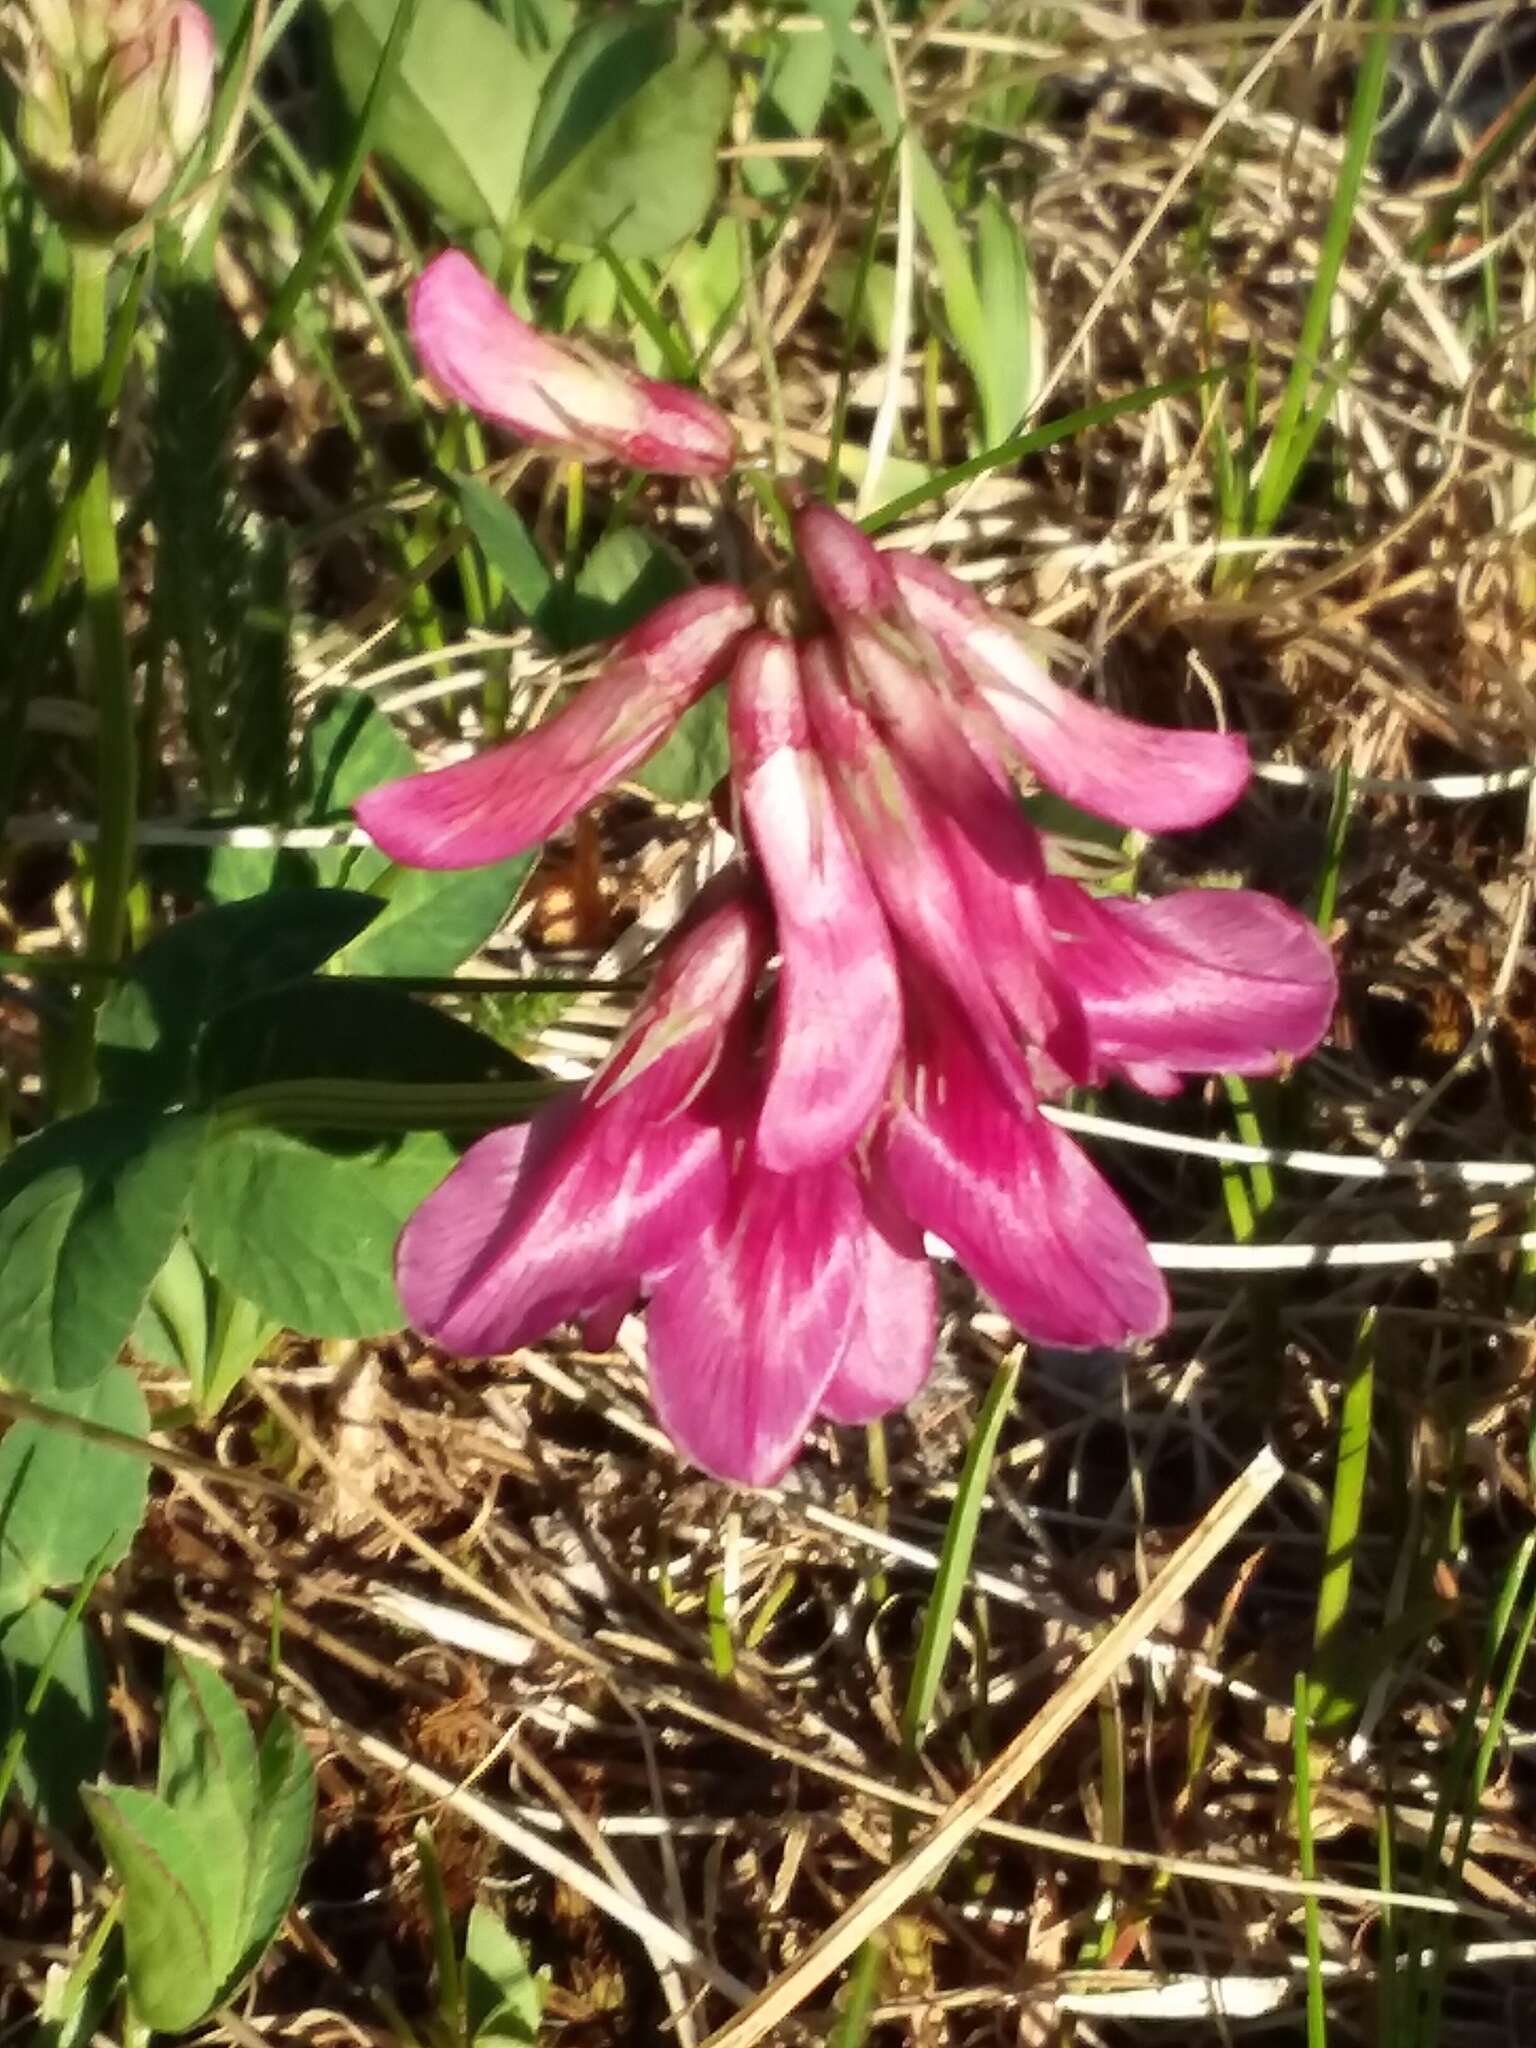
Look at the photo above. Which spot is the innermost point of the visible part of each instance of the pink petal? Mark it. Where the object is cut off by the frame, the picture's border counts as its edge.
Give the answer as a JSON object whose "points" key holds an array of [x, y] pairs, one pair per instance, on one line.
{"points": [[1203, 981], [509, 799], [837, 1018], [905, 847], [1024, 968], [848, 572], [686, 1029], [554, 393], [1023, 1210], [891, 1350], [921, 716], [569, 1214], [1141, 775], [550, 1220], [748, 1331]]}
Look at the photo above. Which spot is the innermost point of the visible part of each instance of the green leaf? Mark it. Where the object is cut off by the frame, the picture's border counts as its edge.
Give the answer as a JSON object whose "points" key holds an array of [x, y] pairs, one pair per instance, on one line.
{"points": [[207, 1752], [706, 281], [458, 120], [623, 146], [695, 755], [89, 1210], [1008, 370], [66, 1739], [796, 82], [150, 1023], [279, 1843], [67, 1503], [208, 1780], [433, 922], [624, 578], [331, 1029], [507, 544], [348, 747], [162, 1863], [307, 1230], [503, 1998]]}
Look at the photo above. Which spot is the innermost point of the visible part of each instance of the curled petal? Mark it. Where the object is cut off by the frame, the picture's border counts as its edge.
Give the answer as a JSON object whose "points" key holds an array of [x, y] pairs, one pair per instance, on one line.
{"points": [[507, 800], [747, 1333], [554, 393], [1149, 777], [681, 1033], [837, 1018], [1206, 980], [848, 572], [551, 1220], [1023, 1210], [891, 1349]]}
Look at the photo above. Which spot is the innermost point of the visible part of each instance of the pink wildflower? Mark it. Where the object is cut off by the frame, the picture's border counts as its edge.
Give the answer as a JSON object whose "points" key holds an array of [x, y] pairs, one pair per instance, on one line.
{"points": [[557, 394], [761, 1155]]}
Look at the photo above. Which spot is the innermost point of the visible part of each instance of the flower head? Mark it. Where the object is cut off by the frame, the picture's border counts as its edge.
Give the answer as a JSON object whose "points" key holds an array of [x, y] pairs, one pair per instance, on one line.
{"points": [[111, 98], [557, 394], [847, 1044]]}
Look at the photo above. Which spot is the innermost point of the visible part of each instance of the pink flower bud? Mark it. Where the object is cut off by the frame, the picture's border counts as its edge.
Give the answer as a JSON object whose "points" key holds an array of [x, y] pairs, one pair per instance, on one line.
{"points": [[557, 394], [111, 98]]}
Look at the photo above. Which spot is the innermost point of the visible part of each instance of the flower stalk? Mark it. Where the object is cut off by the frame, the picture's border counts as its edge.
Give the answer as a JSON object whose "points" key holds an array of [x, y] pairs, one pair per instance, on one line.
{"points": [[117, 759]]}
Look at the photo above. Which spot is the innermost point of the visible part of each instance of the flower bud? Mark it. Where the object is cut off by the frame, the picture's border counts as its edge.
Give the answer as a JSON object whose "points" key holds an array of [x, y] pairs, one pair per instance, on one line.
{"points": [[108, 99]]}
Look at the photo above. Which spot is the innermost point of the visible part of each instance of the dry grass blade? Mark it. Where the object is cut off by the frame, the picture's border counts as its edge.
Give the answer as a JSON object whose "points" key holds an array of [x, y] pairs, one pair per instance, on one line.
{"points": [[1011, 1766]]}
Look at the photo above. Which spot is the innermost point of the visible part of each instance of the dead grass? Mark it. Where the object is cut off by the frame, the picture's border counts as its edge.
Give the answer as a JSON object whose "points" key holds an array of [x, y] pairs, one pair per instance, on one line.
{"points": [[489, 1589]]}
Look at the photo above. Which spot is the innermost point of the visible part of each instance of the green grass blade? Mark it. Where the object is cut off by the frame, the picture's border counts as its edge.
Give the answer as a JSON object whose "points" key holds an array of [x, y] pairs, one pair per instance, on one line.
{"points": [[955, 1558], [1295, 428], [1049, 434], [1317, 2011], [1346, 1508], [337, 199]]}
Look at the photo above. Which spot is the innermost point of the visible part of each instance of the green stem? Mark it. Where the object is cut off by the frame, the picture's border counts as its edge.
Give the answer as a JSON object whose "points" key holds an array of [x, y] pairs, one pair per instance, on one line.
{"points": [[116, 753], [117, 767]]}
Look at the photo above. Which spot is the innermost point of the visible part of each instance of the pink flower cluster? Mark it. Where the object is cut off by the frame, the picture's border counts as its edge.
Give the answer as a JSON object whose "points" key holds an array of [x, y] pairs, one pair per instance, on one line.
{"points": [[848, 1039]]}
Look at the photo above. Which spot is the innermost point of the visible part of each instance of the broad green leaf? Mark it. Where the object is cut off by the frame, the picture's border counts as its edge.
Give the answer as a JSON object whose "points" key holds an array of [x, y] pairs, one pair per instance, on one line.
{"points": [[239, 1336], [208, 1780], [507, 544], [862, 61], [458, 120], [348, 748], [306, 1229], [432, 922], [173, 1326], [796, 82], [334, 1030], [67, 1503], [706, 281], [150, 1023], [1008, 374], [89, 1210], [207, 1753], [875, 309], [623, 146], [162, 1864], [279, 1843], [503, 1998], [625, 577], [66, 1738], [694, 756]]}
